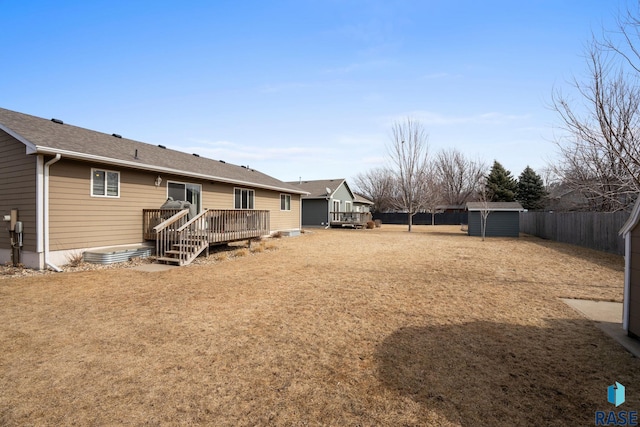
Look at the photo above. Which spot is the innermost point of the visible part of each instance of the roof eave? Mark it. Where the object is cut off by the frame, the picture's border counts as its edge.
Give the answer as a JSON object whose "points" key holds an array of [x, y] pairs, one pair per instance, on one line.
{"points": [[632, 221], [152, 168], [31, 147]]}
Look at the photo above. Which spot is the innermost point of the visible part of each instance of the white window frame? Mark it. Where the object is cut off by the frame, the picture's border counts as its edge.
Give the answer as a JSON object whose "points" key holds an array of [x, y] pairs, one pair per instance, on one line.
{"points": [[348, 206], [251, 196], [286, 197], [106, 172]]}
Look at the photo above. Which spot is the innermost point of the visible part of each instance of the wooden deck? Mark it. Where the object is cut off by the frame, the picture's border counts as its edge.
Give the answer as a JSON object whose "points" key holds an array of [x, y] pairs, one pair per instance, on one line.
{"points": [[180, 239], [349, 219]]}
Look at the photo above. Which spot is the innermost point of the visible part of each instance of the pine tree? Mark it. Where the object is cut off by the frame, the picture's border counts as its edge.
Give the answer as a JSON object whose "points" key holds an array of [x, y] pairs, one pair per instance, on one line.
{"points": [[530, 192], [501, 186]]}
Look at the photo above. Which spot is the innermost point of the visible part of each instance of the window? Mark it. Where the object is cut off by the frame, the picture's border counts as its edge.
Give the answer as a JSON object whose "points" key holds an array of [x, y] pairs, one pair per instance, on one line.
{"points": [[186, 192], [243, 198], [105, 183], [285, 202]]}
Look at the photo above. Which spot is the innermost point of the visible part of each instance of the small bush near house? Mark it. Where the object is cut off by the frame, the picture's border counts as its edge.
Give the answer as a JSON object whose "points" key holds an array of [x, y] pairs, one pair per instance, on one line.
{"points": [[277, 235], [241, 252], [75, 259], [221, 256], [370, 225], [258, 248], [378, 223]]}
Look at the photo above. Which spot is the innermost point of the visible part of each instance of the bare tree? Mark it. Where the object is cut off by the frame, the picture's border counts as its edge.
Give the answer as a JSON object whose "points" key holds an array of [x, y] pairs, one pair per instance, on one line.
{"points": [[458, 176], [378, 186], [483, 198], [433, 192], [600, 154], [409, 157]]}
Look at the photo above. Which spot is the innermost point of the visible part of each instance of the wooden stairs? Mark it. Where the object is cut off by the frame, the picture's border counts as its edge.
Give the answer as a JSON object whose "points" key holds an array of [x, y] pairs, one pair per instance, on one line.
{"points": [[185, 252], [179, 240]]}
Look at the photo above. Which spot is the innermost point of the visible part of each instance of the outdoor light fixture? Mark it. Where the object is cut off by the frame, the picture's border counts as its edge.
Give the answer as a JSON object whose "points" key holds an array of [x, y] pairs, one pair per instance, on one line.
{"points": [[158, 181]]}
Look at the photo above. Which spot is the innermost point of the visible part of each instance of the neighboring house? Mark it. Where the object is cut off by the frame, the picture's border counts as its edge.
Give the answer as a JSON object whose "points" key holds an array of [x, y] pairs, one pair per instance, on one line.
{"points": [[503, 219], [75, 189], [361, 203], [631, 302], [330, 202]]}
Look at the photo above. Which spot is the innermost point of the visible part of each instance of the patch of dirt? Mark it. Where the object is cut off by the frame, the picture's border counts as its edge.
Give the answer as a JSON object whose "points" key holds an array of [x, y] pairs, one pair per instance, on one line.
{"points": [[334, 327]]}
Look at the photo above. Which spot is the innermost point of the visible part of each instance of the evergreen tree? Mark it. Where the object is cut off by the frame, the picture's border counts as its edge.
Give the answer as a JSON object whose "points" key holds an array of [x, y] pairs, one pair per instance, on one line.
{"points": [[501, 186], [530, 192]]}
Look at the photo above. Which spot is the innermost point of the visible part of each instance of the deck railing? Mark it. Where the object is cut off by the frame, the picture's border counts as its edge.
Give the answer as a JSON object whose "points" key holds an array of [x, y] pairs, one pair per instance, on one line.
{"points": [[167, 232], [184, 240], [153, 217], [350, 218]]}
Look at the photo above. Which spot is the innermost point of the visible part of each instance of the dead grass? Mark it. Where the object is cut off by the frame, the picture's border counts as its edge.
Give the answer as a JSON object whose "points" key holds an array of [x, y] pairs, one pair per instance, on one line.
{"points": [[336, 327]]}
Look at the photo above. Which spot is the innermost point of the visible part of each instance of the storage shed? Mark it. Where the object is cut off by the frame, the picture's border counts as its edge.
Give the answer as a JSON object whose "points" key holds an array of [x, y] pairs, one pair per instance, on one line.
{"points": [[631, 304], [503, 219]]}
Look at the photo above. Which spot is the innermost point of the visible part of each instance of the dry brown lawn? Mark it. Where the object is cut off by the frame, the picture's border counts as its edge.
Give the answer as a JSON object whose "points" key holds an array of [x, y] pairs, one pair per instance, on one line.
{"points": [[335, 327]]}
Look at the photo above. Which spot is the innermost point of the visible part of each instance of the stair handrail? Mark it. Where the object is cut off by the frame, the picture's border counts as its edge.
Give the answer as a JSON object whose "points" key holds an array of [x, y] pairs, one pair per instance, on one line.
{"points": [[192, 220], [165, 235], [187, 236], [167, 222]]}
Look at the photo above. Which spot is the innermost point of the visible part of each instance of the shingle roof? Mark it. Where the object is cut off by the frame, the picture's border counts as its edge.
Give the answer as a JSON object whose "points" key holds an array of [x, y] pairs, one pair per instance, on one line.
{"points": [[318, 189], [48, 137], [361, 199], [494, 206]]}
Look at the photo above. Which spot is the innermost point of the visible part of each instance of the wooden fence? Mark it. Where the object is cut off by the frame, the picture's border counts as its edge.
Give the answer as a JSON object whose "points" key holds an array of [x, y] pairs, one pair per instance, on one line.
{"points": [[445, 218], [595, 230]]}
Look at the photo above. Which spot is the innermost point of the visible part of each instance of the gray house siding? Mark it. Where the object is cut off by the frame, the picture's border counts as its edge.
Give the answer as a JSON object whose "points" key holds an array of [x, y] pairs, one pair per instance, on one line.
{"points": [[342, 194], [314, 212], [499, 224], [634, 284]]}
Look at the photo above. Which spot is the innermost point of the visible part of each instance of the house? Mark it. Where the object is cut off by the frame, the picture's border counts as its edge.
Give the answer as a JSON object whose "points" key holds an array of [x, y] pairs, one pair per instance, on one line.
{"points": [[361, 203], [74, 190], [330, 202], [631, 299], [503, 218]]}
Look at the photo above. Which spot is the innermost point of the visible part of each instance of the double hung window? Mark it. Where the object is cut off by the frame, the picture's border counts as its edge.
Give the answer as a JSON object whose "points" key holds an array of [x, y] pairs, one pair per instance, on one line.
{"points": [[243, 198], [105, 183]]}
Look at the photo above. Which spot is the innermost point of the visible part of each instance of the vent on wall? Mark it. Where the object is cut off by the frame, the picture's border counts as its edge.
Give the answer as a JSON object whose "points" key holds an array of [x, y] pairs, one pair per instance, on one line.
{"points": [[58, 121]]}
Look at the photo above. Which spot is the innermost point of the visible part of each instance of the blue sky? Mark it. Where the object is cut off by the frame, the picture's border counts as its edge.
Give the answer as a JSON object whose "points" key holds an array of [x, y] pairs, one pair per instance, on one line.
{"points": [[304, 88]]}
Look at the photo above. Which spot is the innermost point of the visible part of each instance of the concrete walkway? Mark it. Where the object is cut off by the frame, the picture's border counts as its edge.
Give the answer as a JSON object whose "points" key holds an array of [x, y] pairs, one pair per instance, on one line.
{"points": [[608, 317], [154, 268]]}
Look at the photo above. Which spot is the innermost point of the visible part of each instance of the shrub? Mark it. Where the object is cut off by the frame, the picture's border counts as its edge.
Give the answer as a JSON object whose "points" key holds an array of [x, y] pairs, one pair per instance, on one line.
{"points": [[258, 248], [75, 258], [370, 225], [221, 256], [277, 235], [241, 252]]}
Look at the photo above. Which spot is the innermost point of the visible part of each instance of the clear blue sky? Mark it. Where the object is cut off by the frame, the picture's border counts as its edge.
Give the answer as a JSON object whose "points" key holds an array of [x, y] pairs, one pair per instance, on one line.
{"points": [[302, 88]]}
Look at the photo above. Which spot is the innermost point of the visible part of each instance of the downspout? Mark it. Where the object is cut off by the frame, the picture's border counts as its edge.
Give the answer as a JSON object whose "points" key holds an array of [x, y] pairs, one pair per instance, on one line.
{"points": [[46, 213]]}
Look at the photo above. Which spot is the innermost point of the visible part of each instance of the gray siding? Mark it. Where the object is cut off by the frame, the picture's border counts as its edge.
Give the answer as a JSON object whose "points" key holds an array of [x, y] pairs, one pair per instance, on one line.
{"points": [[499, 224], [314, 212], [343, 195], [18, 188], [634, 283]]}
